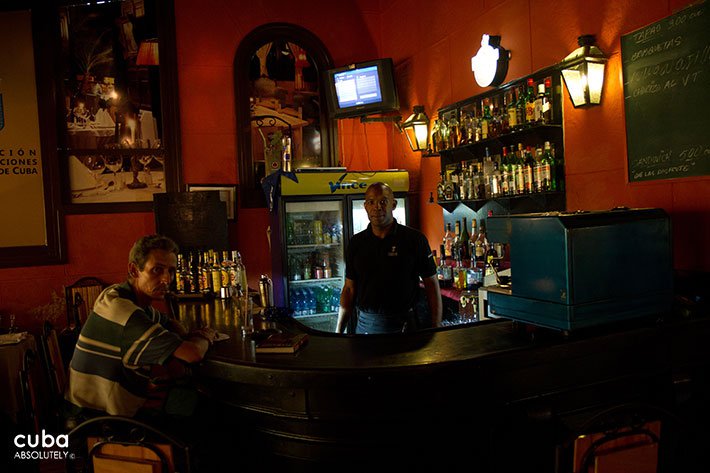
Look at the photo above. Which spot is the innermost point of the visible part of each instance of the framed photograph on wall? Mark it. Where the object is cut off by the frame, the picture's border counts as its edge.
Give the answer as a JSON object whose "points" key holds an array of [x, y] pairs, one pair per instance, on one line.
{"points": [[227, 193], [118, 137]]}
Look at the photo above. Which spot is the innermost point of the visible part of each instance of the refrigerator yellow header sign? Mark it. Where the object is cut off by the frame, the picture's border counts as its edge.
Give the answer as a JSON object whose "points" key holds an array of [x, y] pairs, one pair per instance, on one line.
{"points": [[340, 183]]}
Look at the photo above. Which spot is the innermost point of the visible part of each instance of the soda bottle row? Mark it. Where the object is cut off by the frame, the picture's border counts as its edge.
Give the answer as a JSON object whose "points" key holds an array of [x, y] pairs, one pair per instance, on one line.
{"points": [[314, 265], [512, 110], [517, 171], [208, 272], [309, 231], [320, 299]]}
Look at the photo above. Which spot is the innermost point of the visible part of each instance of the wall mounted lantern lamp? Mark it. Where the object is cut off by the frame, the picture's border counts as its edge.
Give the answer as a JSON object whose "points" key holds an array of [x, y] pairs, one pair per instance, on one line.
{"points": [[583, 72], [415, 127]]}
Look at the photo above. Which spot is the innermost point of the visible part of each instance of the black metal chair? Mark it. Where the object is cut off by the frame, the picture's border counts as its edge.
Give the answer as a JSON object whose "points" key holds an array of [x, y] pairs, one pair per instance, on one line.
{"points": [[115, 443]]}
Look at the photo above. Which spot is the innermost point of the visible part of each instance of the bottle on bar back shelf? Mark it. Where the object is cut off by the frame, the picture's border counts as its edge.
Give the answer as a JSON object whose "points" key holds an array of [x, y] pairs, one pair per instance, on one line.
{"points": [[435, 136], [443, 270], [486, 119], [448, 242], [456, 248], [530, 103], [453, 131], [511, 111], [529, 165], [193, 274], [546, 104], [539, 100], [520, 170], [441, 189], [472, 243], [481, 243], [464, 241], [520, 108], [549, 173], [504, 182], [537, 171]]}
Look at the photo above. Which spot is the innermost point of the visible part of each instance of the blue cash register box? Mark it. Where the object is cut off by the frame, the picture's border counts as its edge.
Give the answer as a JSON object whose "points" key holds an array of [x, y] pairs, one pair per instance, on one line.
{"points": [[580, 269]]}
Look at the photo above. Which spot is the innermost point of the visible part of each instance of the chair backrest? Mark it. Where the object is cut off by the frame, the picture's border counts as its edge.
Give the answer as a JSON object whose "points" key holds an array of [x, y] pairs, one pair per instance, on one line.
{"points": [[120, 444], [80, 298], [53, 362], [28, 385]]}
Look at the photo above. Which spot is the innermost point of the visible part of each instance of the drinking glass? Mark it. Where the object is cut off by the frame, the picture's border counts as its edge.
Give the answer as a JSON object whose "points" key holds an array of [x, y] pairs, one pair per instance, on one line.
{"points": [[114, 163], [96, 166]]}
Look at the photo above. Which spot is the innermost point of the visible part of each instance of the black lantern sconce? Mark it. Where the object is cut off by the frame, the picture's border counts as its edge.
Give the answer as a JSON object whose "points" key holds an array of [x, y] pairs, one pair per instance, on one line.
{"points": [[583, 73]]}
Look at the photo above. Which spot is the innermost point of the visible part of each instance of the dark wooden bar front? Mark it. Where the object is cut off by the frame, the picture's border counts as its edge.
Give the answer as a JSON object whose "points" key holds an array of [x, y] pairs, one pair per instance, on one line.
{"points": [[487, 396]]}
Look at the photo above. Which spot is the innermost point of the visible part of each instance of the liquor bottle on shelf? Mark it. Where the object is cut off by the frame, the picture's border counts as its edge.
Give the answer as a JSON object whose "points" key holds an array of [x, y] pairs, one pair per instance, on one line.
{"points": [[530, 103], [529, 164], [537, 113], [549, 171], [448, 189], [441, 189], [504, 181], [537, 171], [481, 243], [495, 179], [469, 128], [436, 136], [520, 170], [546, 104], [472, 244], [456, 248], [453, 131], [512, 112], [464, 242], [520, 108], [444, 134], [487, 174], [486, 119], [448, 242], [481, 183], [471, 191], [443, 271], [503, 117]]}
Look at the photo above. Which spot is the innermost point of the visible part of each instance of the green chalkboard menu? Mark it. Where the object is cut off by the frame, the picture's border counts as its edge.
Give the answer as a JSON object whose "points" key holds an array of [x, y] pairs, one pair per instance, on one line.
{"points": [[666, 69]]}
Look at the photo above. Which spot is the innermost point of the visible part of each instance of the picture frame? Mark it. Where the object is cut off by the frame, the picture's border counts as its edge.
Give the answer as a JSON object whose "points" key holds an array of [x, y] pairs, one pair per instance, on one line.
{"points": [[118, 140], [227, 194]]}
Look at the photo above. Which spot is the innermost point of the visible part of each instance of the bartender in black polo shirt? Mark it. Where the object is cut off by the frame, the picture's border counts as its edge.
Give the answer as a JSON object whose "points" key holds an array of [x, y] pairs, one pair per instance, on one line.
{"points": [[382, 270]]}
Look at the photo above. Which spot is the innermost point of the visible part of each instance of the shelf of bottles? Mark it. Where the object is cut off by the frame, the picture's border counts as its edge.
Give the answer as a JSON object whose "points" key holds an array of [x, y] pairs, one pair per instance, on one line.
{"points": [[504, 145], [315, 257]]}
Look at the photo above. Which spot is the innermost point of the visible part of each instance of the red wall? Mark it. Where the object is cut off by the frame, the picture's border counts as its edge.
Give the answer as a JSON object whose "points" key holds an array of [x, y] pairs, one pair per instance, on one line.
{"points": [[431, 43]]}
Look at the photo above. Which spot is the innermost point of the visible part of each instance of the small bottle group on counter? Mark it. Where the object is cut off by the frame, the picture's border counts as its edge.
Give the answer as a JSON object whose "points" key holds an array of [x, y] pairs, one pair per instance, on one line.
{"points": [[206, 273]]}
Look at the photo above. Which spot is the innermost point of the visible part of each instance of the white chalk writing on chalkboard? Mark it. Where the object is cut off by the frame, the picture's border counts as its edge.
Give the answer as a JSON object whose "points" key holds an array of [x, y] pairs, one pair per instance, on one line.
{"points": [[666, 98]]}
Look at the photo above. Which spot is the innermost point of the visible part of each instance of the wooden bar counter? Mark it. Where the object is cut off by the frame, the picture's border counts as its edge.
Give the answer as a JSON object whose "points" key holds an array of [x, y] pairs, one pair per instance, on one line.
{"points": [[493, 396]]}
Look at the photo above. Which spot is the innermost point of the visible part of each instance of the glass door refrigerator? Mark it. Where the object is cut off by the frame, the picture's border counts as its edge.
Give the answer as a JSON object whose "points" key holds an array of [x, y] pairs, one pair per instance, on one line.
{"points": [[310, 228]]}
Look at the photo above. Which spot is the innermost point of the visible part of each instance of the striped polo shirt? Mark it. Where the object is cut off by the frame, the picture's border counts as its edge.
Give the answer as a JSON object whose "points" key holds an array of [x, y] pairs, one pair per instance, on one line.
{"points": [[119, 341]]}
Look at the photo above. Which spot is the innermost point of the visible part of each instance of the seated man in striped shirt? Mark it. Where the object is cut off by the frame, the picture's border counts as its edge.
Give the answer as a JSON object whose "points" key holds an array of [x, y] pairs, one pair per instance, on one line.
{"points": [[125, 338]]}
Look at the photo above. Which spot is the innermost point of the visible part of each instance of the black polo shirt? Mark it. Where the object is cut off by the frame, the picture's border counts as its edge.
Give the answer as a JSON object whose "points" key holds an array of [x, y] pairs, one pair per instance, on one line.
{"points": [[386, 270]]}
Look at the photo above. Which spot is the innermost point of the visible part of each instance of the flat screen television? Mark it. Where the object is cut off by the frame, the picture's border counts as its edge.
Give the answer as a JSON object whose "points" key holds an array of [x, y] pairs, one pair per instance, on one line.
{"points": [[362, 89]]}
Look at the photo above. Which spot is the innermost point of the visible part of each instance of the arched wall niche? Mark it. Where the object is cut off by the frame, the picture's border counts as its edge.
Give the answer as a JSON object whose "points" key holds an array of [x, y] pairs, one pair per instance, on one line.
{"points": [[278, 72]]}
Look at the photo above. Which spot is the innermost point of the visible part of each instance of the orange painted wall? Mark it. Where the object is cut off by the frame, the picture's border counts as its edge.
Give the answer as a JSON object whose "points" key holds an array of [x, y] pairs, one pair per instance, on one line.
{"points": [[431, 51]]}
